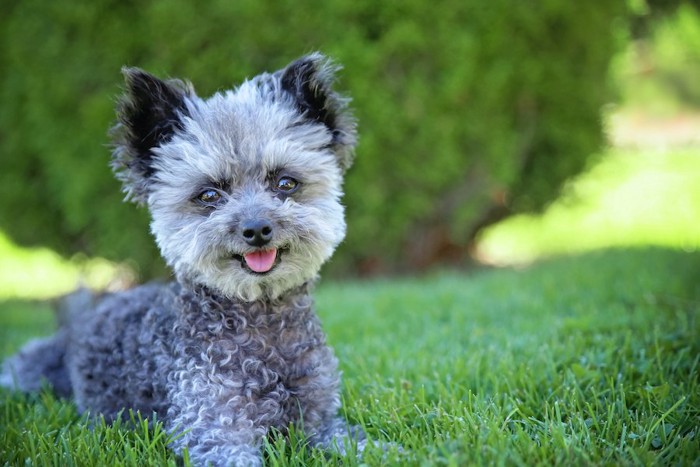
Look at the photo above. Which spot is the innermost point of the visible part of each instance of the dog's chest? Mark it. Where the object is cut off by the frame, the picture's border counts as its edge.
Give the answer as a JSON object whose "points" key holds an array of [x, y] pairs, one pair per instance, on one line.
{"points": [[261, 363], [267, 352], [254, 351]]}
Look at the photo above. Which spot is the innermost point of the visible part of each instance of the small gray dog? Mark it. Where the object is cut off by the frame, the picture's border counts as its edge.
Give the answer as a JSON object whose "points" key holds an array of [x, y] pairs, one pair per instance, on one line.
{"points": [[244, 192]]}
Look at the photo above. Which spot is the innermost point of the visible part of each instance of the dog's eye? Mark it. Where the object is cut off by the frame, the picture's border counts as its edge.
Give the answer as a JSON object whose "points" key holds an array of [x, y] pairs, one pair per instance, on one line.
{"points": [[209, 197], [287, 185]]}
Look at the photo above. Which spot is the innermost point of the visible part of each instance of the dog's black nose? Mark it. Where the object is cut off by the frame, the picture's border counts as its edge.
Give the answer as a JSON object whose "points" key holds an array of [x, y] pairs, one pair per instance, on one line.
{"points": [[257, 232]]}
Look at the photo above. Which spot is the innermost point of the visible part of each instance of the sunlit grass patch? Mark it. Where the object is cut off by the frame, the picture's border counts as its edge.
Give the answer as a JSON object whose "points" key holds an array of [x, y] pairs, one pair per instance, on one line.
{"points": [[641, 197], [42, 273]]}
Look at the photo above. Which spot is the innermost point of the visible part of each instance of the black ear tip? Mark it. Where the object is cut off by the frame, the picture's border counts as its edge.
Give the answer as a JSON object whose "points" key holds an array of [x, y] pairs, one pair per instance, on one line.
{"points": [[315, 65], [130, 70], [132, 74], [138, 79], [314, 59], [309, 58]]}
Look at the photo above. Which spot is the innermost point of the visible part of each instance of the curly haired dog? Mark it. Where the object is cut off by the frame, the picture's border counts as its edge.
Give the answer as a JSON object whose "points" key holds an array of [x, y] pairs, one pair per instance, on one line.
{"points": [[244, 193]]}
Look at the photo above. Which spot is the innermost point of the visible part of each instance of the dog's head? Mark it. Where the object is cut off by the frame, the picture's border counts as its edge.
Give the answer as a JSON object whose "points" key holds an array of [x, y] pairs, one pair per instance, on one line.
{"points": [[244, 187]]}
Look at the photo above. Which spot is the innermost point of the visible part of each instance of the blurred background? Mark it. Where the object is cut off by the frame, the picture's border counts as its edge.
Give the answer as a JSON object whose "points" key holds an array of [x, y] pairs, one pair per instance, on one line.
{"points": [[491, 131]]}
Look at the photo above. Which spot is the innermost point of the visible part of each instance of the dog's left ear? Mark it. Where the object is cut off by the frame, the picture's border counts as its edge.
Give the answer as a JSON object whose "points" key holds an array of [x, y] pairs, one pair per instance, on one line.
{"points": [[309, 80]]}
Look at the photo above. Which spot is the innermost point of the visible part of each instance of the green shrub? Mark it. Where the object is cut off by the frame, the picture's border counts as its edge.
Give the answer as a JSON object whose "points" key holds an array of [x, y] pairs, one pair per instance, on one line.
{"points": [[659, 71], [467, 110]]}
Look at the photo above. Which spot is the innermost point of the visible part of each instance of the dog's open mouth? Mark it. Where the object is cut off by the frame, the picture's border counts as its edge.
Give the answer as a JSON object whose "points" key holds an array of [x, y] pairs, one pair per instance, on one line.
{"points": [[259, 261]]}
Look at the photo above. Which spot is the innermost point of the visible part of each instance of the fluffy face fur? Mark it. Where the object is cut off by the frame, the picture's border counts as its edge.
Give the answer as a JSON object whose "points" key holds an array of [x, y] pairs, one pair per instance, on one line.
{"points": [[263, 160]]}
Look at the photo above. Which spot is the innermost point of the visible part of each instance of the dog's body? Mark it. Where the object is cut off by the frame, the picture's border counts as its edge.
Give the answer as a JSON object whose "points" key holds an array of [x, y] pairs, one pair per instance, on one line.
{"points": [[244, 191]]}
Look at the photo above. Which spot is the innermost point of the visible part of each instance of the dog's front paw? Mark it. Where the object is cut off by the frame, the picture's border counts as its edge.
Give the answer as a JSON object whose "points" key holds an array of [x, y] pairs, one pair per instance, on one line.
{"points": [[228, 456]]}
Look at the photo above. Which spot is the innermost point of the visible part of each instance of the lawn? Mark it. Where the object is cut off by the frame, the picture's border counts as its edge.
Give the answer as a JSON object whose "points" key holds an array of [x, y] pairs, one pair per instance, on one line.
{"points": [[589, 359]]}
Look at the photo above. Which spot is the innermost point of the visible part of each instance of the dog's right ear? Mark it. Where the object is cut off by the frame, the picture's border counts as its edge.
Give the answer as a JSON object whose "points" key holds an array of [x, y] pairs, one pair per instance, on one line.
{"points": [[148, 115]]}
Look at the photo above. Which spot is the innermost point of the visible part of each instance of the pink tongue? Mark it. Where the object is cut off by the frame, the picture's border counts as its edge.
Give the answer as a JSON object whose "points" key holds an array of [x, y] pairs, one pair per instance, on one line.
{"points": [[261, 261]]}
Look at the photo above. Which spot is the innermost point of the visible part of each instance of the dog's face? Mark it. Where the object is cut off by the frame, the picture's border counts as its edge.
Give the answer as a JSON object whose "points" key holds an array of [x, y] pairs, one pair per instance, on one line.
{"points": [[244, 187]]}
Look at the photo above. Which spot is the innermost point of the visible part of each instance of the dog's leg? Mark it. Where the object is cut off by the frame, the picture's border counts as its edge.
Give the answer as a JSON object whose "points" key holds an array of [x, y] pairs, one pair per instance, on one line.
{"points": [[219, 451], [40, 361], [215, 434], [340, 437], [224, 455]]}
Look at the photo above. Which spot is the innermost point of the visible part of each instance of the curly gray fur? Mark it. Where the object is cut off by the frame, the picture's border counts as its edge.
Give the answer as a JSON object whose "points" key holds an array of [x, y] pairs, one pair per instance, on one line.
{"points": [[233, 348]]}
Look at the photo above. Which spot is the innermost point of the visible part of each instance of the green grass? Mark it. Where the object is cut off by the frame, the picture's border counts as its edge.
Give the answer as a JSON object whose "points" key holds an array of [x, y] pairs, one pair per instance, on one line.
{"points": [[589, 359]]}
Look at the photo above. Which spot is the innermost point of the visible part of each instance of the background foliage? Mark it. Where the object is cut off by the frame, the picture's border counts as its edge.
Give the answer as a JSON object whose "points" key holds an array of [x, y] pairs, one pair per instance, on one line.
{"points": [[659, 70], [464, 117]]}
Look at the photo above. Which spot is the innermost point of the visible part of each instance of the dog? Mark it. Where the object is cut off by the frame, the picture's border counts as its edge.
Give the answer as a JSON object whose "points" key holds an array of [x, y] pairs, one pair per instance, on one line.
{"points": [[244, 190]]}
